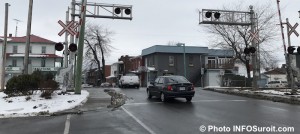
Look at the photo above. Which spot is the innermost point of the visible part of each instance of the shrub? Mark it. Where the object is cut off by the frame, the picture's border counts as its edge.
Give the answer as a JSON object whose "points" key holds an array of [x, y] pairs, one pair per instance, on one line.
{"points": [[25, 84], [37, 76], [48, 87], [20, 85]]}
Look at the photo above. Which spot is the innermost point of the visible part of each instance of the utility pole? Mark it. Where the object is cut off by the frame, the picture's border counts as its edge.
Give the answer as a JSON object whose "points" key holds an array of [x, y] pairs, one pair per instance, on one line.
{"points": [[254, 58], [80, 48], [17, 21], [66, 41], [25, 71], [4, 47], [289, 57]]}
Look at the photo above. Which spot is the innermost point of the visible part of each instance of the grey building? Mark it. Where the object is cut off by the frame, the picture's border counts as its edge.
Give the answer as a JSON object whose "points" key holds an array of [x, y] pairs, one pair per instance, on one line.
{"points": [[202, 64]]}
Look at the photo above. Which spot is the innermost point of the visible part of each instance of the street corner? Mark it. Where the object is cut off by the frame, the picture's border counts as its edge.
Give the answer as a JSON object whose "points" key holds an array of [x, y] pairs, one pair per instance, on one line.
{"points": [[34, 105]]}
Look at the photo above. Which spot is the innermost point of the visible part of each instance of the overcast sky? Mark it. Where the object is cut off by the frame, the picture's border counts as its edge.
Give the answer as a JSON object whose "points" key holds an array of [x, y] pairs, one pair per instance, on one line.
{"points": [[155, 22]]}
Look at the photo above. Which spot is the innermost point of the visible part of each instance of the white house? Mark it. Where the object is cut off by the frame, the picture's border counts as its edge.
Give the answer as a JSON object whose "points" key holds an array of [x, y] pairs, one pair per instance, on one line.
{"points": [[41, 55], [277, 74]]}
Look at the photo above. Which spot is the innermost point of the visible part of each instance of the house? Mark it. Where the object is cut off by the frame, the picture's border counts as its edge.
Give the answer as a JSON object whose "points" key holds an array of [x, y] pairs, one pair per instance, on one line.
{"points": [[277, 74], [126, 66], [202, 65], [41, 56], [135, 62], [216, 62], [116, 71], [94, 75]]}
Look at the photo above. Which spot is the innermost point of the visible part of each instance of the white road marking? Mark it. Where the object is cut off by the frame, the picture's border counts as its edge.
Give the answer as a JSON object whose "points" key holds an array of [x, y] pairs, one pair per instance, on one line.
{"points": [[275, 108], [138, 121], [218, 100], [145, 103], [67, 124]]}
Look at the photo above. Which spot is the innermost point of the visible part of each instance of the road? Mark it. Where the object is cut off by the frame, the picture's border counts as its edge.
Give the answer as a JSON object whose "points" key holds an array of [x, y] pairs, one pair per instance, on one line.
{"points": [[214, 111]]}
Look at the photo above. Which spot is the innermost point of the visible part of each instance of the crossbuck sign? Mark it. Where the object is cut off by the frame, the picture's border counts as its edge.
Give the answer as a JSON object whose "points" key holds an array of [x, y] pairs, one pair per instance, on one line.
{"points": [[70, 28], [254, 36], [293, 29]]}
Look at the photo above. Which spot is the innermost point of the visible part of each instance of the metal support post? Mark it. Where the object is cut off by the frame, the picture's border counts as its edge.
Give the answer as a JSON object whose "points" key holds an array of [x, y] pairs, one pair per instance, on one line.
{"points": [[287, 59], [254, 58], [291, 79], [80, 49], [184, 61], [66, 42], [4, 48], [25, 71]]}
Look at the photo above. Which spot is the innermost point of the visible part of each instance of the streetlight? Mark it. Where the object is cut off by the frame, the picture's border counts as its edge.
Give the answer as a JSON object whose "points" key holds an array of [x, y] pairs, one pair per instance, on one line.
{"points": [[184, 66]]}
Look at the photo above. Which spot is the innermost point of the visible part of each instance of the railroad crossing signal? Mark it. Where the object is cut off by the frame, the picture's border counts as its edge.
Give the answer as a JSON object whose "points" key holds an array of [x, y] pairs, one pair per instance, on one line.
{"points": [[293, 29], [70, 28], [254, 36]]}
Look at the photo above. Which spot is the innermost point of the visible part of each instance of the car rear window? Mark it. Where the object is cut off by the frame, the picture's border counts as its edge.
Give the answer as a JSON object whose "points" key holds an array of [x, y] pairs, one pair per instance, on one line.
{"points": [[177, 79]]}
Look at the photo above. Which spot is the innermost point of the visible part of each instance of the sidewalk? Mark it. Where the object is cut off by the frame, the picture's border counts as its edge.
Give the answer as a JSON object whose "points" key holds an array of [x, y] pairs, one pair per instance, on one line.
{"points": [[97, 99], [295, 99]]}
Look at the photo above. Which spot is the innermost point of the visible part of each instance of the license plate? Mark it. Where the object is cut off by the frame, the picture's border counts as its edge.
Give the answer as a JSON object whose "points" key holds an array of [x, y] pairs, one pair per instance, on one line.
{"points": [[181, 88]]}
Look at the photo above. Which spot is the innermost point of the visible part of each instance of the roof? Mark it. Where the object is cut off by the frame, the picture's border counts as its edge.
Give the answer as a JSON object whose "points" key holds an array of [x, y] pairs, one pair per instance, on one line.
{"points": [[220, 52], [174, 49], [34, 55], [188, 49], [33, 39], [276, 71]]}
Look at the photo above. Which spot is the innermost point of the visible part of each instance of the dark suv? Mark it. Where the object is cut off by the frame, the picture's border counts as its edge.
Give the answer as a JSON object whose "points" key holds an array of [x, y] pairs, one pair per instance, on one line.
{"points": [[172, 86]]}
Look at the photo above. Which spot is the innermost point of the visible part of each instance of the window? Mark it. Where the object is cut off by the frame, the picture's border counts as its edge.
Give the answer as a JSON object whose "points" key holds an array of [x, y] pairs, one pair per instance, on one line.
{"points": [[156, 80], [43, 62], [43, 49], [151, 61], [191, 60], [14, 62], [177, 79], [30, 49], [161, 81], [171, 60], [15, 49], [211, 62]]}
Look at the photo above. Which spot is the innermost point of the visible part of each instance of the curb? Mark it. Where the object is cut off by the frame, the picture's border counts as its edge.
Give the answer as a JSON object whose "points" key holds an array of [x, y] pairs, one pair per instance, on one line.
{"points": [[274, 98]]}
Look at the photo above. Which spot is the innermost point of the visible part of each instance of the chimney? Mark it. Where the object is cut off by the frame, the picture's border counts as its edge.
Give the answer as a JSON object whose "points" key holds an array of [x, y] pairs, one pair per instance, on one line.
{"points": [[10, 35]]}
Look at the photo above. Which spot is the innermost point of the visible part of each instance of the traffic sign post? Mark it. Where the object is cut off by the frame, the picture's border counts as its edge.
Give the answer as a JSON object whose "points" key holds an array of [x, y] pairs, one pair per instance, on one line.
{"points": [[290, 77]]}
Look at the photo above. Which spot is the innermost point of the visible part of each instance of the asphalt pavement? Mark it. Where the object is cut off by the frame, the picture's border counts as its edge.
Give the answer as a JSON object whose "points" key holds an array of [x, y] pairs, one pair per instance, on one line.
{"points": [[151, 116]]}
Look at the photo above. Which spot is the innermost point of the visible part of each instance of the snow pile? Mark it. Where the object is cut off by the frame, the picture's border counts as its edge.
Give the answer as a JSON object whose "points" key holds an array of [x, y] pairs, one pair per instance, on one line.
{"points": [[272, 92], [33, 105]]}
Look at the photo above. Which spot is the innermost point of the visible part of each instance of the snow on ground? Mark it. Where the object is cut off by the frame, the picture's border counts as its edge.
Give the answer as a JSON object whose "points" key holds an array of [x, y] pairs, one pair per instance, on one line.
{"points": [[20, 107], [272, 92]]}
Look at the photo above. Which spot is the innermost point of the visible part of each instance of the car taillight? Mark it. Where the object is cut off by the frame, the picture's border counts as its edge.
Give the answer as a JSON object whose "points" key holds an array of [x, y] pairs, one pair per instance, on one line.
{"points": [[169, 88]]}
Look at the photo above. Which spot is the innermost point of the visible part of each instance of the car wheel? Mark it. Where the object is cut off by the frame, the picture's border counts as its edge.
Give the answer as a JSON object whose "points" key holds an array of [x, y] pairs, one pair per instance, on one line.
{"points": [[163, 97], [188, 99], [149, 94]]}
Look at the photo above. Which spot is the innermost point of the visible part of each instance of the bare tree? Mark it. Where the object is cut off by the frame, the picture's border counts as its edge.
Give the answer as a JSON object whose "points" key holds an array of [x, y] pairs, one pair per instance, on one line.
{"points": [[238, 38], [97, 46], [172, 43]]}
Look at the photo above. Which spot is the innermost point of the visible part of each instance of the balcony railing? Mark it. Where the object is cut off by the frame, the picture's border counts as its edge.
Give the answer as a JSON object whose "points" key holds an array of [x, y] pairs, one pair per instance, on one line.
{"points": [[220, 66]]}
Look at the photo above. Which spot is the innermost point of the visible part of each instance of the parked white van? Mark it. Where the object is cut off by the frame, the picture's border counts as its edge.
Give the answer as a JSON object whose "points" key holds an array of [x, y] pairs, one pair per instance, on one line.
{"points": [[129, 80], [277, 84]]}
